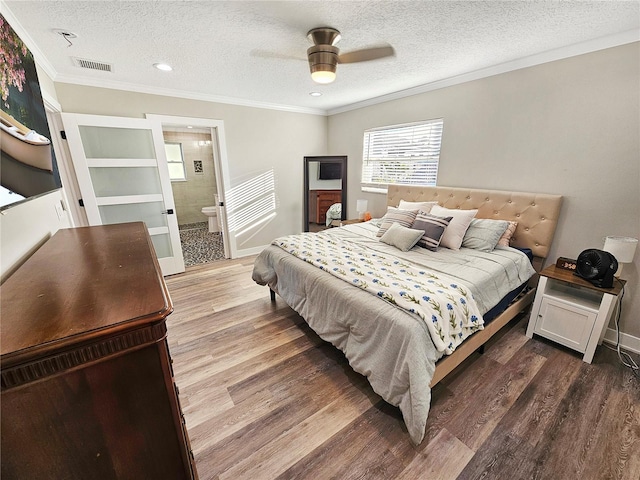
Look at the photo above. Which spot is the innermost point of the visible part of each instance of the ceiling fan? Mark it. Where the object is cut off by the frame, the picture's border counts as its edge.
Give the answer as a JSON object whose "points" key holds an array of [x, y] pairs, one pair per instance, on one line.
{"points": [[324, 56]]}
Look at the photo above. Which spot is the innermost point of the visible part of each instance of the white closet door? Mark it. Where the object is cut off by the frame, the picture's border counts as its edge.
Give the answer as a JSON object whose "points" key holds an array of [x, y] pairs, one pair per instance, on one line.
{"points": [[123, 176]]}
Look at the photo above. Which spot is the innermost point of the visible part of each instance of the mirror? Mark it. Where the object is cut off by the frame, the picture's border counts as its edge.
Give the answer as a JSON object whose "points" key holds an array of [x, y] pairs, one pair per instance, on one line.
{"points": [[325, 184]]}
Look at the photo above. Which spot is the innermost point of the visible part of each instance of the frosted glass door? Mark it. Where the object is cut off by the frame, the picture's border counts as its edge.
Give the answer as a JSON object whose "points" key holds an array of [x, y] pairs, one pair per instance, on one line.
{"points": [[123, 177]]}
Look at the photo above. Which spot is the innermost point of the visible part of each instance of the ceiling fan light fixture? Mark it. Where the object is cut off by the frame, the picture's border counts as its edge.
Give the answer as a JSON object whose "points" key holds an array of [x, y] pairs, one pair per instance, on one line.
{"points": [[323, 60], [323, 76]]}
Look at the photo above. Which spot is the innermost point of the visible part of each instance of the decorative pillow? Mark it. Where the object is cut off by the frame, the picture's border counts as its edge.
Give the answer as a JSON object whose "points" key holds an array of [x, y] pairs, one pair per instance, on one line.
{"points": [[433, 227], [424, 206], [395, 215], [505, 239], [454, 233], [403, 238], [483, 234]]}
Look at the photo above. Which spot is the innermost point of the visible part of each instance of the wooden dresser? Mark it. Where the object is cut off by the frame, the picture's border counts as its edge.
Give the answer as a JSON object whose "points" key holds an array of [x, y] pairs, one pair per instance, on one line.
{"points": [[319, 203], [87, 382]]}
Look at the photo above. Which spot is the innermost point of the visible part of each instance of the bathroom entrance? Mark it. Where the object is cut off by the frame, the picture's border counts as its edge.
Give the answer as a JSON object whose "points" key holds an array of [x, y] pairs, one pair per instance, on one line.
{"points": [[190, 155]]}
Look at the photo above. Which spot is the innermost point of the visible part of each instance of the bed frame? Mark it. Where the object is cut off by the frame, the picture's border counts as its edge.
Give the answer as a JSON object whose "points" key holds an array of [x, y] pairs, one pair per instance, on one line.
{"points": [[537, 217]]}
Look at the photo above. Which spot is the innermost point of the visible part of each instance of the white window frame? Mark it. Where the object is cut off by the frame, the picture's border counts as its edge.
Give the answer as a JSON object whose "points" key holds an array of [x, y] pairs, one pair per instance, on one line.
{"points": [[174, 162], [404, 154]]}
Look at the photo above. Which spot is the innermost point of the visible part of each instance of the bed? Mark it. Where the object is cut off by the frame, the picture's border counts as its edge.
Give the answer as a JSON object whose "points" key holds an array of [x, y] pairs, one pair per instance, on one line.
{"points": [[397, 352]]}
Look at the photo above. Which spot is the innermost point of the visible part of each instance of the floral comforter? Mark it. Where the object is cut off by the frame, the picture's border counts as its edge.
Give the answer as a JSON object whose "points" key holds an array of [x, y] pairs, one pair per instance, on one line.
{"points": [[447, 307]]}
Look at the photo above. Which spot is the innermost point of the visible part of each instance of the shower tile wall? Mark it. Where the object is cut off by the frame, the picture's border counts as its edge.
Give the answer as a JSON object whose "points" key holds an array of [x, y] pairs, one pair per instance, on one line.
{"points": [[199, 189]]}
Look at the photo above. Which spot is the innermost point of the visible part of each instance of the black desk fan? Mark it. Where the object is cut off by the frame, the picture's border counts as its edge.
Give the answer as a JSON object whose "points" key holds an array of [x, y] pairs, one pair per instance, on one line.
{"points": [[597, 266]]}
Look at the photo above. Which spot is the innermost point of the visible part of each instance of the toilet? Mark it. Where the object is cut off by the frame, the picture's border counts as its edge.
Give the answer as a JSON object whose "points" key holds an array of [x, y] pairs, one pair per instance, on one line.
{"points": [[212, 214]]}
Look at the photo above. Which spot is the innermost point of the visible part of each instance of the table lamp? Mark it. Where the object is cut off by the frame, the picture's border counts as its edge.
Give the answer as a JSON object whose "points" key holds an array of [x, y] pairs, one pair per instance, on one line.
{"points": [[623, 248], [361, 207]]}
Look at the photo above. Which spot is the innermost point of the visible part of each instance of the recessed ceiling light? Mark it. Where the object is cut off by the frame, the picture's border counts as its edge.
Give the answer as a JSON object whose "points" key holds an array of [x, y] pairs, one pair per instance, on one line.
{"points": [[189, 126], [315, 94], [163, 66]]}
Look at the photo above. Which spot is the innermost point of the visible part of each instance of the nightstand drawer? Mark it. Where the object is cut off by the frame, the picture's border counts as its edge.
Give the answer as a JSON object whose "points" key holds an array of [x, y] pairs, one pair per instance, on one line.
{"points": [[565, 323]]}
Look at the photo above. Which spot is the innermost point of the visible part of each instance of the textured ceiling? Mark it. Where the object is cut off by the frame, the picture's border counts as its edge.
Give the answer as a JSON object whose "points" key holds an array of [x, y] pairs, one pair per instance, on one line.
{"points": [[248, 51]]}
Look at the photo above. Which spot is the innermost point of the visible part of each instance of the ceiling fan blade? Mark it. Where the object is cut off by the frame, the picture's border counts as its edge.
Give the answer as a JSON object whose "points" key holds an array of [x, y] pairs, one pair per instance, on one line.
{"points": [[280, 56], [366, 54]]}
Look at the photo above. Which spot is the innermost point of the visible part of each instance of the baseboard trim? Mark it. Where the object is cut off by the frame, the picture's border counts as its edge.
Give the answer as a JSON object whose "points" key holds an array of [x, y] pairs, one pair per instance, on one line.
{"points": [[245, 252], [627, 342]]}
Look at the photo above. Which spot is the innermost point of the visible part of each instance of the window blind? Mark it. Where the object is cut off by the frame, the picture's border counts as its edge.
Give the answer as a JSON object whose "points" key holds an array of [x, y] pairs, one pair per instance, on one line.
{"points": [[175, 161], [402, 154]]}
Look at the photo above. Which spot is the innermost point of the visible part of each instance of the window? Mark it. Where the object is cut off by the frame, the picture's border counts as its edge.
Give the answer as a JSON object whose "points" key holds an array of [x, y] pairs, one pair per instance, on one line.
{"points": [[175, 161], [401, 154]]}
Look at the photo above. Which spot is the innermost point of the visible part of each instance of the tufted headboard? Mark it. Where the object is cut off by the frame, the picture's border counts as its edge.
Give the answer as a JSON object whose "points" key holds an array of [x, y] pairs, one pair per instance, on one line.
{"points": [[536, 213]]}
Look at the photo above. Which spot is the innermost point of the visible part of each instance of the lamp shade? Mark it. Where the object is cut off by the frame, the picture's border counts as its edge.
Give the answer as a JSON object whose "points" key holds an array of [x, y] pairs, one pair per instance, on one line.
{"points": [[361, 207], [623, 248]]}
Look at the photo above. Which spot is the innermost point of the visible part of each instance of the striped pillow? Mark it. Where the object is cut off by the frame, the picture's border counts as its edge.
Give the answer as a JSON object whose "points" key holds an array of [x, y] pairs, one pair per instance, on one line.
{"points": [[394, 215], [433, 227]]}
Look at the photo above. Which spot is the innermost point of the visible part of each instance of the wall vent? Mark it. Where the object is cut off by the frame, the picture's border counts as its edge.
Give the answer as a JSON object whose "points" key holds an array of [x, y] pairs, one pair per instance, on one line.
{"points": [[92, 64]]}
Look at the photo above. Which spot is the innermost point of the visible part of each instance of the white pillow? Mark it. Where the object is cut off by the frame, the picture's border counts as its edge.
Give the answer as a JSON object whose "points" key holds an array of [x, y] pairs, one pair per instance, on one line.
{"points": [[458, 225], [424, 206]]}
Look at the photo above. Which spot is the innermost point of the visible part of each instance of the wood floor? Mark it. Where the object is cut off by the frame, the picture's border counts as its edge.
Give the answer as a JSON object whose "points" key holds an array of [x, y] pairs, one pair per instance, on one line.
{"points": [[265, 398]]}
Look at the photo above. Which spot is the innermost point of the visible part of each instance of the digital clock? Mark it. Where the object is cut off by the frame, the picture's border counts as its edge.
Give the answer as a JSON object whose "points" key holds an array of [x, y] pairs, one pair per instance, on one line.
{"points": [[566, 263]]}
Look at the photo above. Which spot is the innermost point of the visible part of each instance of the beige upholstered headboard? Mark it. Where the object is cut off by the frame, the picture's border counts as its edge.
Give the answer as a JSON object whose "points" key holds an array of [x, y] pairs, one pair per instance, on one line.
{"points": [[536, 213]]}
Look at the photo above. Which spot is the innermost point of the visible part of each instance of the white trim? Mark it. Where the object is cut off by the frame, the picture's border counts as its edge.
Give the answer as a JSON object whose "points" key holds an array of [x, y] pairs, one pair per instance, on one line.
{"points": [[525, 62], [121, 162], [627, 342], [129, 199], [250, 251], [51, 103]]}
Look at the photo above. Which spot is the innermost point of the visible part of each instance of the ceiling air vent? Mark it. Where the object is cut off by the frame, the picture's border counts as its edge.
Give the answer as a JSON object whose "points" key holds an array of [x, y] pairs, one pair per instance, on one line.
{"points": [[91, 64]]}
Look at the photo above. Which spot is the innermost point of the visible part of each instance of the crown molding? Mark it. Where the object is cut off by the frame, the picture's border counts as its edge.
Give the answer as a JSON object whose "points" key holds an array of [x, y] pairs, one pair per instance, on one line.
{"points": [[589, 46]]}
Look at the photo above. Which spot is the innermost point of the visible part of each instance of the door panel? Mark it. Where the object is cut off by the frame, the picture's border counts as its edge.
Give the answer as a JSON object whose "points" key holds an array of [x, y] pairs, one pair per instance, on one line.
{"points": [[123, 176], [112, 181], [112, 142]]}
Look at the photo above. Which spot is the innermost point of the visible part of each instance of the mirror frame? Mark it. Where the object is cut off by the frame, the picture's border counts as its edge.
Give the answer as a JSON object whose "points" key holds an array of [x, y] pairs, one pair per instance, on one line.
{"points": [[342, 160]]}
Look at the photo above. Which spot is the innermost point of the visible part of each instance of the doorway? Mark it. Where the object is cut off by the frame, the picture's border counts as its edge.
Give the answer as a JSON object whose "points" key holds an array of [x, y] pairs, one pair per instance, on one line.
{"points": [[196, 154], [190, 157]]}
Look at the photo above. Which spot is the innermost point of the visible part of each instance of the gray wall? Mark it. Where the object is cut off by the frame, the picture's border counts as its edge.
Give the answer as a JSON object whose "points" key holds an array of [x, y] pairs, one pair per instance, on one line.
{"points": [[259, 142], [569, 127]]}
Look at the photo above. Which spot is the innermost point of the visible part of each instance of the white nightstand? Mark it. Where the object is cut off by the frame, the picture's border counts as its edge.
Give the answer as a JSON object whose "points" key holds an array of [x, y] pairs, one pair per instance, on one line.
{"points": [[572, 311]]}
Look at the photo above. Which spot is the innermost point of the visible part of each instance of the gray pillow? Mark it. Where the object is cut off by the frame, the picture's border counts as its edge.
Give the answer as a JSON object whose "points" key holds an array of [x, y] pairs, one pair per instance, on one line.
{"points": [[483, 234], [403, 238], [433, 227]]}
